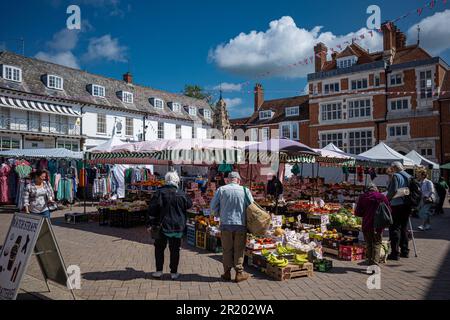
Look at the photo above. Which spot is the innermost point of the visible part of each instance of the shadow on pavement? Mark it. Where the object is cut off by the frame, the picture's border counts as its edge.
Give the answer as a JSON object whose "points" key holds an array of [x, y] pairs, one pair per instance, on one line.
{"points": [[131, 274]]}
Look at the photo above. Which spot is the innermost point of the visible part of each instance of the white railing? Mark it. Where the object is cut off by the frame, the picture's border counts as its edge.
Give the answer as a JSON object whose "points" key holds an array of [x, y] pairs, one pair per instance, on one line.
{"points": [[18, 124]]}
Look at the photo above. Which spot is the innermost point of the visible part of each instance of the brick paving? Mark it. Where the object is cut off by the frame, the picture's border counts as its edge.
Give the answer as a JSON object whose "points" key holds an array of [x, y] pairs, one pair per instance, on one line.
{"points": [[117, 263]]}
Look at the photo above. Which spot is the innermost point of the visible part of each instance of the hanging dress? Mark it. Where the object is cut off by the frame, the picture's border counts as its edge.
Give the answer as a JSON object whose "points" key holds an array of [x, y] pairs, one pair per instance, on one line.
{"points": [[4, 188]]}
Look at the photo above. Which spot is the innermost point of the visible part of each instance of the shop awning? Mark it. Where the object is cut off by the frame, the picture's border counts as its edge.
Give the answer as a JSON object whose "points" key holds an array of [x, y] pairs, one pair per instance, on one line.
{"points": [[57, 153], [29, 105]]}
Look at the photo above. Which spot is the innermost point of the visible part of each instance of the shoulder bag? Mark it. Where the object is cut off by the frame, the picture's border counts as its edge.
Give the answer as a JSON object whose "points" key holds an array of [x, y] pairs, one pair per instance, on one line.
{"points": [[258, 220]]}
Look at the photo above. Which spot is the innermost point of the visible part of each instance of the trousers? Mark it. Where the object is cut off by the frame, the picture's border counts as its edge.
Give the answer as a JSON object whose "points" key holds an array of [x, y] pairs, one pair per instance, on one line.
{"points": [[233, 245], [398, 232], [174, 248]]}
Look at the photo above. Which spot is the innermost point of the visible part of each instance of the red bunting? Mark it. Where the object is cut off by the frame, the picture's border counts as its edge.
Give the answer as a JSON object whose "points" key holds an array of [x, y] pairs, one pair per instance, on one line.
{"points": [[432, 3], [371, 33], [419, 11]]}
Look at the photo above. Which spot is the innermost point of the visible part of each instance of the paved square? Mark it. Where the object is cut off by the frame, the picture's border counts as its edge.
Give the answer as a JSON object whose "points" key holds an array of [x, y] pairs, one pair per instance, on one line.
{"points": [[116, 264]]}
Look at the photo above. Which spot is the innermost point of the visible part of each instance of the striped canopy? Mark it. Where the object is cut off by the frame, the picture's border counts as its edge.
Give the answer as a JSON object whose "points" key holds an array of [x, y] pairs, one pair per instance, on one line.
{"points": [[46, 107]]}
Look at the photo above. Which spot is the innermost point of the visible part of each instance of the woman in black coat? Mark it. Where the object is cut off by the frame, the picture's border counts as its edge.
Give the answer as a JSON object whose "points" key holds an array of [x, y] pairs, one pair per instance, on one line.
{"points": [[167, 221]]}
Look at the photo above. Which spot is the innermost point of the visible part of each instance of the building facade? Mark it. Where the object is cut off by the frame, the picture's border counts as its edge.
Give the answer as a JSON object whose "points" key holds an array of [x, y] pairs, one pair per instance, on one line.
{"points": [[358, 99], [44, 105], [280, 118]]}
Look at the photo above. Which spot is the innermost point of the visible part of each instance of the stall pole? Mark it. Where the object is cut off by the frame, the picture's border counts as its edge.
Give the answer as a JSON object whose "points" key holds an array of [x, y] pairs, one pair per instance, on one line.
{"points": [[85, 186], [314, 187]]}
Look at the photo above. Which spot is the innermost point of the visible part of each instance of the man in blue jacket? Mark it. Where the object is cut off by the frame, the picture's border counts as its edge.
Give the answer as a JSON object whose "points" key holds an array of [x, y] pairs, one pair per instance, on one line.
{"points": [[398, 192], [231, 202]]}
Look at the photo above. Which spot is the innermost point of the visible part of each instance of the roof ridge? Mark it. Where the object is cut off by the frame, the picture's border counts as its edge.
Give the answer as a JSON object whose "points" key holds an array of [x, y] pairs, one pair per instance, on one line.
{"points": [[97, 75]]}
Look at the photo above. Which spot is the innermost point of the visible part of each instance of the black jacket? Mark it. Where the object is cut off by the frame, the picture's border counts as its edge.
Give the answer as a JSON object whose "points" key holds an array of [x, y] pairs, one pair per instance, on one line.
{"points": [[274, 187], [168, 207]]}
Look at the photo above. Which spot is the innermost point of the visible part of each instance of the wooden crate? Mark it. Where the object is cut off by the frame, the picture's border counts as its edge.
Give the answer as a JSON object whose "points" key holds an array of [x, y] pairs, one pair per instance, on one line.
{"points": [[200, 239], [334, 252], [291, 271]]}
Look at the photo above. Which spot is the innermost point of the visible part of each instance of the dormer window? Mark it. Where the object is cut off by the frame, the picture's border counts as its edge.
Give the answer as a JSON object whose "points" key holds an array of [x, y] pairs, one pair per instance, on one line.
{"points": [[192, 111], [12, 73], [126, 96], [346, 62], [175, 106], [292, 111], [97, 91], [158, 103], [266, 114], [206, 114], [54, 82]]}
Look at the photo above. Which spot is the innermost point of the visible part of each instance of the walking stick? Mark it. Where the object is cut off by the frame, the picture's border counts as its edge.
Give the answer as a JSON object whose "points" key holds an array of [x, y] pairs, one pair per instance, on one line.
{"points": [[412, 236]]}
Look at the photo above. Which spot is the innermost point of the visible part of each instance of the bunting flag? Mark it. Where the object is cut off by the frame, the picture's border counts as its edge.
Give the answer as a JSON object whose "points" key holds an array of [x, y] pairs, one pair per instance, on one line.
{"points": [[432, 3], [362, 36], [419, 11], [371, 33]]}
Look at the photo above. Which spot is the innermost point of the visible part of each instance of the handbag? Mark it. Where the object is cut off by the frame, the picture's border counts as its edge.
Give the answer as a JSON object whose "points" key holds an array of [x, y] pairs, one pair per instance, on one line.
{"points": [[258, 220], [383, 217]]}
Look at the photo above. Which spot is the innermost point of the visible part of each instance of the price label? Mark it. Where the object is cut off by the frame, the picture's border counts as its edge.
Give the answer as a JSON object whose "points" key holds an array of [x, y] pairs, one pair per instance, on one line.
{"points": [[277, 221]]}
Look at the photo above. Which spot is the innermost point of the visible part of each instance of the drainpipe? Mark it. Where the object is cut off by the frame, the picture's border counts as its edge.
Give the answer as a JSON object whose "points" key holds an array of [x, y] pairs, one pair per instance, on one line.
{"points": [[144, 127], [386, 88]]}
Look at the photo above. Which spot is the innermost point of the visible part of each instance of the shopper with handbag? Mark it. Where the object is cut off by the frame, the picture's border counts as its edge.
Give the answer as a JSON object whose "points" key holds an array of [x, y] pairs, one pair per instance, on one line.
{"points": [[428, 200], [167, 222], [38, 195], [231, 202]]}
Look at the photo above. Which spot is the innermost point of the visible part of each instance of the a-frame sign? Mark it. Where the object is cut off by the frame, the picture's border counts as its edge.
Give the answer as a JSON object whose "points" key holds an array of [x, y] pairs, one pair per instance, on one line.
{"points": [[30, 235]]}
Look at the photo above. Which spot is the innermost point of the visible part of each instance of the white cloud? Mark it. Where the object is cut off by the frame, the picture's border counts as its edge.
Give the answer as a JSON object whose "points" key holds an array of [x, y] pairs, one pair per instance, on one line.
{"points": [[106, 48], [282, 44], [65, 58], [64, 40], [228, 87], [233, 102], [434, 32]]}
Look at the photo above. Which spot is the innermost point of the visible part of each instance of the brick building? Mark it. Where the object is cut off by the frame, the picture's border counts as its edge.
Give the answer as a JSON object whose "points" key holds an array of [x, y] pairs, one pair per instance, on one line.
{"points": [[444, 110], [285, 117], [348, 105]]}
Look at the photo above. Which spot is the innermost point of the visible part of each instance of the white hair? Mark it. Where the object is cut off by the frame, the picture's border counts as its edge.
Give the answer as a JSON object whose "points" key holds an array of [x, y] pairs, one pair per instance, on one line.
{"points": [[398, 165], [172, 178]]}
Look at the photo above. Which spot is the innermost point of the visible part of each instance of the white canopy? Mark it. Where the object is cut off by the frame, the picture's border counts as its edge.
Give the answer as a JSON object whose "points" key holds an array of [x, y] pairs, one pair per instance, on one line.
{"points": [[383, 152], [43, 153], [419, 160], [182, 144], [108, 146]]}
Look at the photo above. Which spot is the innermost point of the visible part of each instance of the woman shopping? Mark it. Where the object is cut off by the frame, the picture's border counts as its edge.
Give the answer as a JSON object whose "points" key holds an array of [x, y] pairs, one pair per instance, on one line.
{"points": [[428, 200], [38, 195], [167, 222]]}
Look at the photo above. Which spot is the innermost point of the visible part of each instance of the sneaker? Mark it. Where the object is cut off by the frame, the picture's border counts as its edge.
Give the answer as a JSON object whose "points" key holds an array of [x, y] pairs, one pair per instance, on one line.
{"points": [[174, 276], [421, 228], [427, 227], [157, 274]]}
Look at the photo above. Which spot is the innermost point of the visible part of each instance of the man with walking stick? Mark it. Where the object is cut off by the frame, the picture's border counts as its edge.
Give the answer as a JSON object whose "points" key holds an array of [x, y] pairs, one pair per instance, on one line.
{"points": [[401, 194]]}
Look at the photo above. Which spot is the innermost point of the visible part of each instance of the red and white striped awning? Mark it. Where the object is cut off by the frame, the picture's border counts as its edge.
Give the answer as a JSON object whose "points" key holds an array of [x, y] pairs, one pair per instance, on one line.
{"points": [[37, 106]]}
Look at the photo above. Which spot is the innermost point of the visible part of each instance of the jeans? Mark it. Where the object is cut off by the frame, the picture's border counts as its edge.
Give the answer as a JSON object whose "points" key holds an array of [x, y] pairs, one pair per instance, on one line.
{"points": [[398, 232], [174, 247], [373, 246], [233, 245]]}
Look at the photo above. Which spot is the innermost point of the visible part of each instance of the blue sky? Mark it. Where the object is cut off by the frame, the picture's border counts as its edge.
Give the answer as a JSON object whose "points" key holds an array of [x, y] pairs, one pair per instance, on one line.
{"points": [[171, 43]]}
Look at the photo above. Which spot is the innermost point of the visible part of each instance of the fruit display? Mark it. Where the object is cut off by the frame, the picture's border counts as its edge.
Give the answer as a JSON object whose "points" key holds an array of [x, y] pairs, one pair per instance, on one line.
{"points": [[282, 250], [277, 261], [258, 243], [345, 218], [332, 234], [300, 259]]}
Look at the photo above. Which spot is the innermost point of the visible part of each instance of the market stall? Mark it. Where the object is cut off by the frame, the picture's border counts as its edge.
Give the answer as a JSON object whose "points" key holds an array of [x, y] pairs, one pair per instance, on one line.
{"points": [[421, 161], [18, 164]]}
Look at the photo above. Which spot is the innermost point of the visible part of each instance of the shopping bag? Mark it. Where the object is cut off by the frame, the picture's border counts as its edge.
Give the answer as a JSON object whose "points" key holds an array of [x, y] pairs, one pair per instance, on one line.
{"points": [[383, 217], [258, 220]]}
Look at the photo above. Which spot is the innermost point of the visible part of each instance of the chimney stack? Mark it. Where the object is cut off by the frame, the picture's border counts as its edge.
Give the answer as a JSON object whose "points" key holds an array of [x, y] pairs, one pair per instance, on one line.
{"points": [[400, 40], [259, 96], [389, 36], [128, 78], [320, 55]]}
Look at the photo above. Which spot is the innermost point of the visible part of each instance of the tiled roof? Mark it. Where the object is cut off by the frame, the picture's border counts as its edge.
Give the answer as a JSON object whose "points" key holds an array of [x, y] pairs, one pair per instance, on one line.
{"points": [[77, 81], [278, 106], [239, 121]]}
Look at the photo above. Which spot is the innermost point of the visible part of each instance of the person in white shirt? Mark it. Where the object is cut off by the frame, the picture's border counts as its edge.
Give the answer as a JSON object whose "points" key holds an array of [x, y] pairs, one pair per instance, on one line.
{"points": [[428, 200]]}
